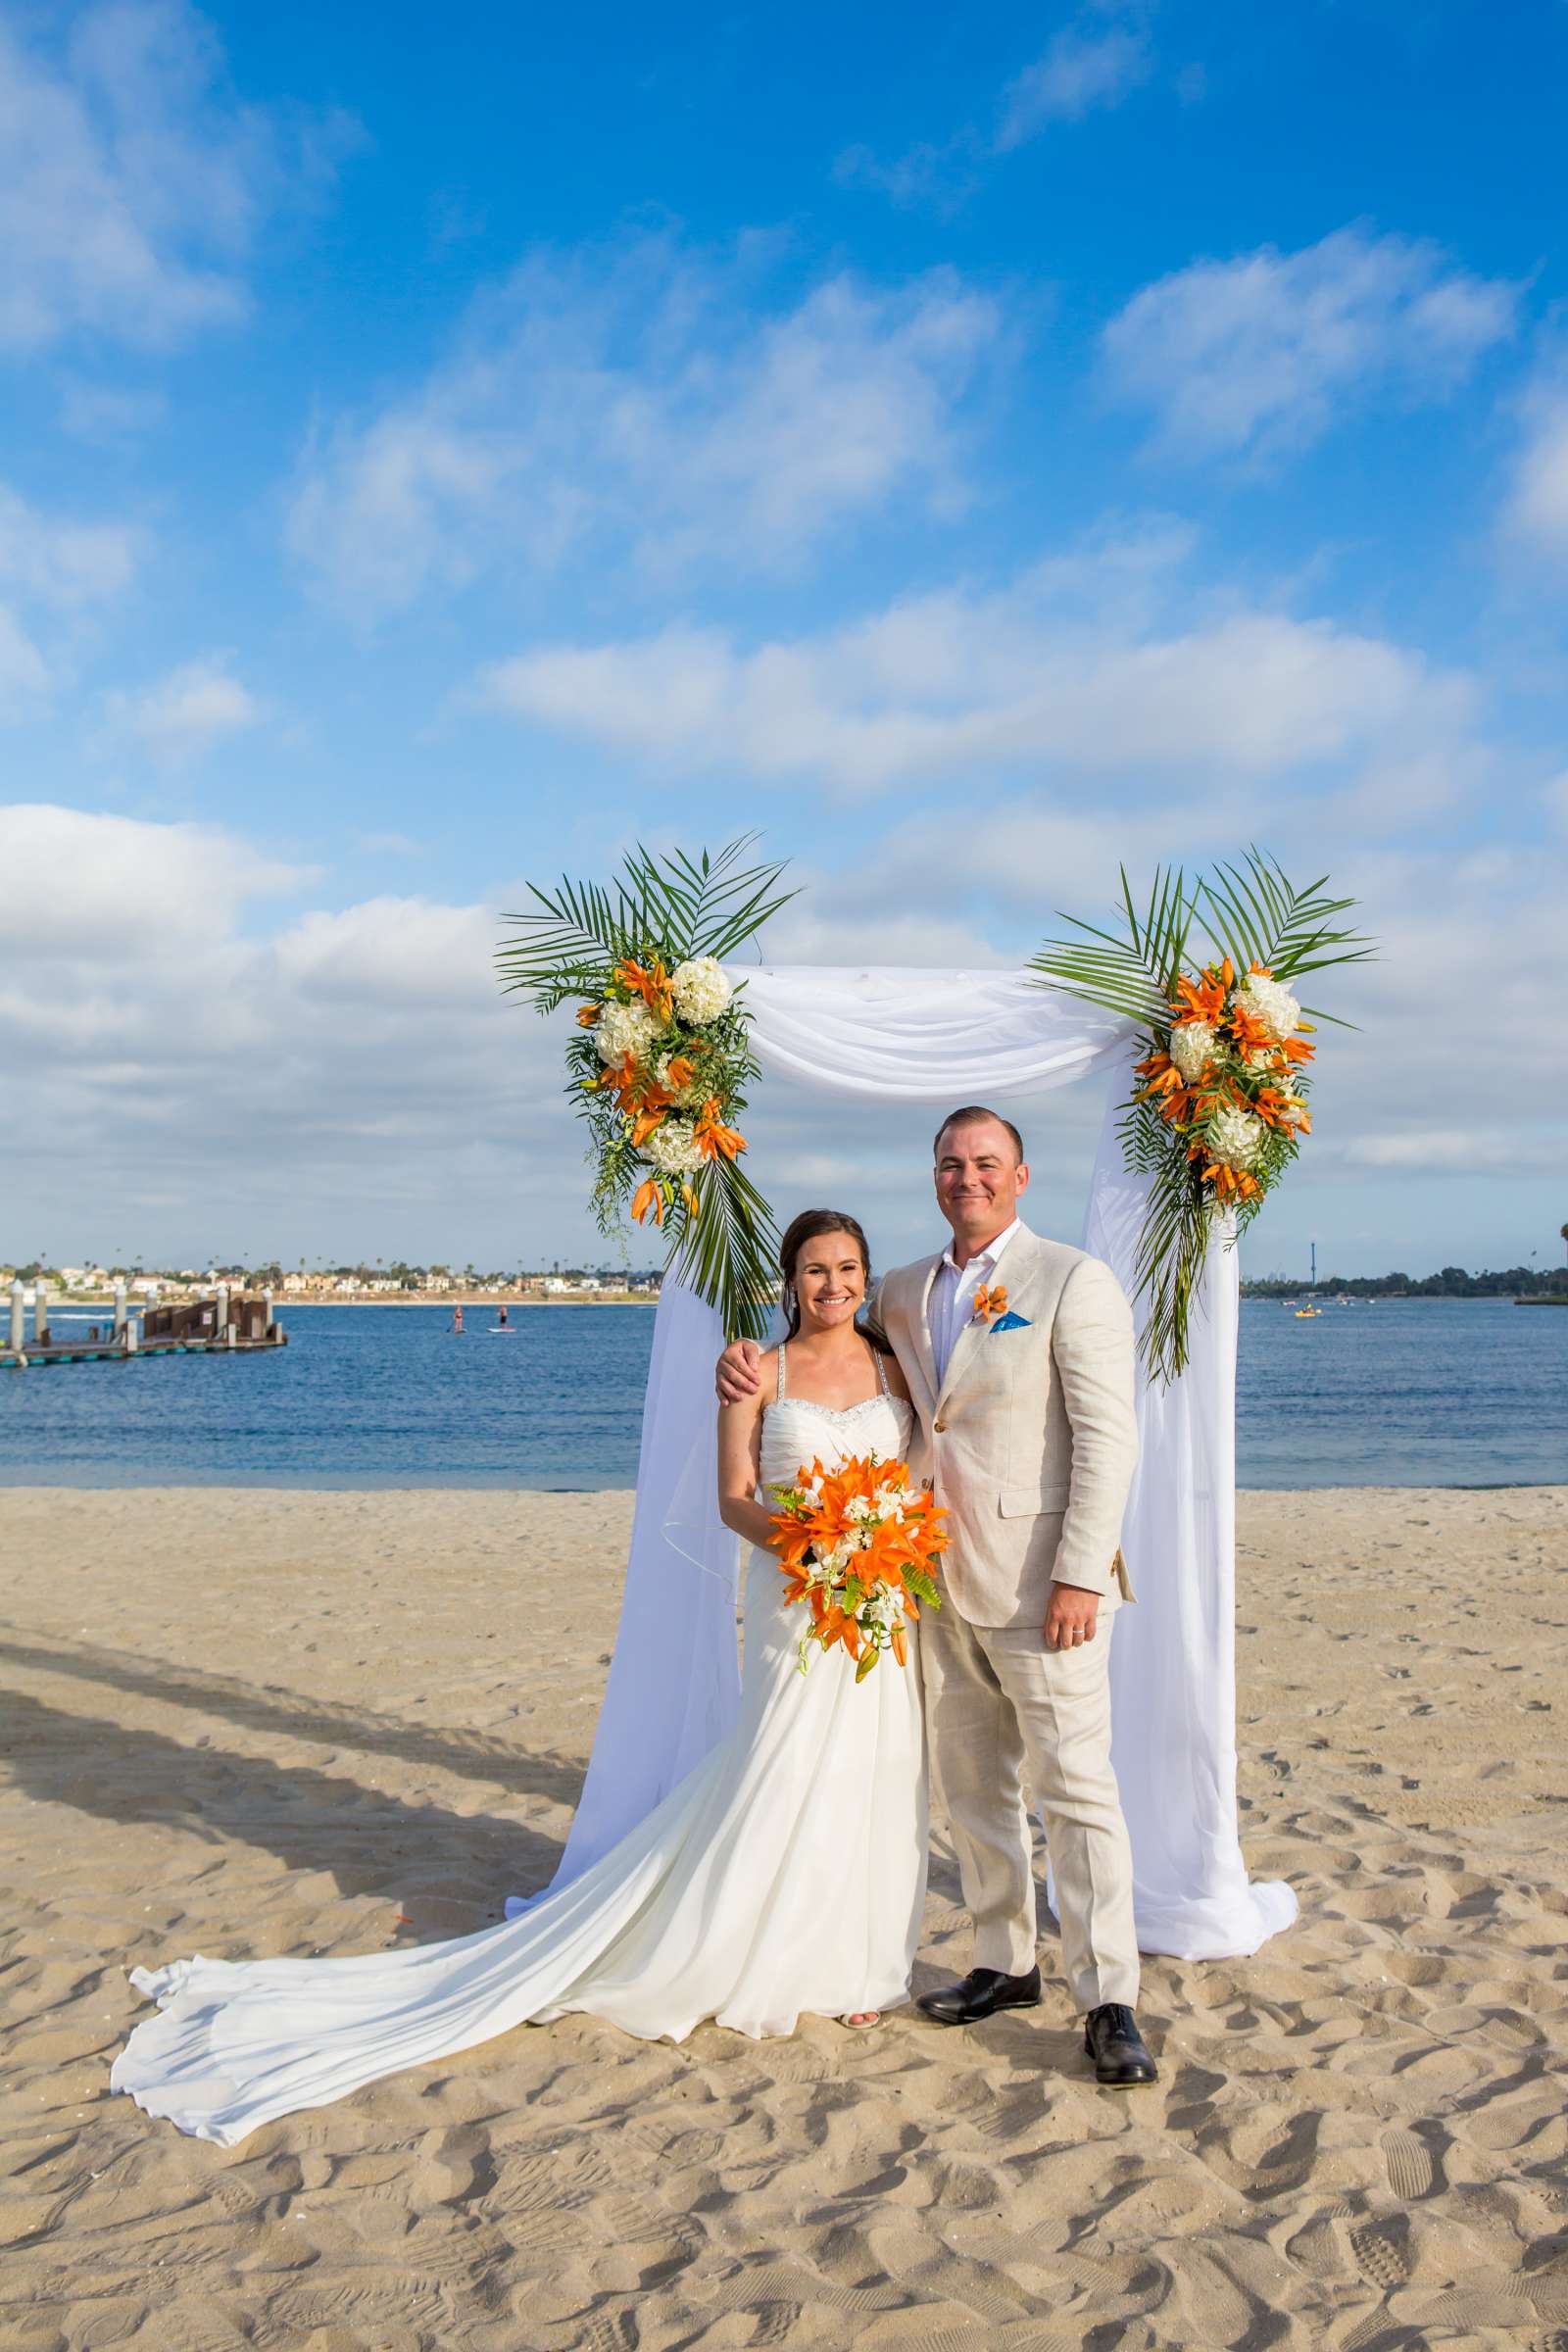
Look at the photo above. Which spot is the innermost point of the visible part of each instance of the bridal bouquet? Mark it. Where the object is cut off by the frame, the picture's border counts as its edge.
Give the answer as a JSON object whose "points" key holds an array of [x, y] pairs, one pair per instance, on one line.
{"points": [[660, 1057], [1218, 1110], [858, 1546]]}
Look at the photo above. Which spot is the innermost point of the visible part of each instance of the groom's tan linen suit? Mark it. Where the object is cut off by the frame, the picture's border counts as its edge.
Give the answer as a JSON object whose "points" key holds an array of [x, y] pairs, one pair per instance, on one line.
{"points": [[1030, 1439]]}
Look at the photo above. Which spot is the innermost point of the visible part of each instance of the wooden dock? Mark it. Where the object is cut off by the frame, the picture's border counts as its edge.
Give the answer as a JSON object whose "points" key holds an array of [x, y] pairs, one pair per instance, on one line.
{"points": [[223, 1325]]}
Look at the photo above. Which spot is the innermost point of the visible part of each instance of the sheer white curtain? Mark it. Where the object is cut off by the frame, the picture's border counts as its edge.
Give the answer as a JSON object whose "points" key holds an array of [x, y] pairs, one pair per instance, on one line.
{"points": [[947, 1036]]}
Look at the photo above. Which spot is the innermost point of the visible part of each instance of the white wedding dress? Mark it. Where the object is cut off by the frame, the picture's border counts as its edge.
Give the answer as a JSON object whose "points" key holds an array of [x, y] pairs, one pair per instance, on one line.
{"points": [[786, 1873]]}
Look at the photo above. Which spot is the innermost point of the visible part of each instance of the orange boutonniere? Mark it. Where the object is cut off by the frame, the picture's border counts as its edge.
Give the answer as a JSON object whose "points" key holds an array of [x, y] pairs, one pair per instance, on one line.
{"points": [[988, 1304]]}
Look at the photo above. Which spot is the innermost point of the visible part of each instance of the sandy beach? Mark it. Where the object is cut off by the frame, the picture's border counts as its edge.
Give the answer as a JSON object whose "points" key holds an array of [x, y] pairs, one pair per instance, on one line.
{"points": [[261, 1722]]}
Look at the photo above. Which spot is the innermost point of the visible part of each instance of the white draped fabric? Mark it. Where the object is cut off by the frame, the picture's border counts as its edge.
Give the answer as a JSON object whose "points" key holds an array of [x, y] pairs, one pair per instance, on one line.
{"points": [[948, 1037]]}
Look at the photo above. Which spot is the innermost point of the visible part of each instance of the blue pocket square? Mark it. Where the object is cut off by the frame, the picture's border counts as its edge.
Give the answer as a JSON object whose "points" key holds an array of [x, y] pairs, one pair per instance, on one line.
{"points": [[1010, 1322]]}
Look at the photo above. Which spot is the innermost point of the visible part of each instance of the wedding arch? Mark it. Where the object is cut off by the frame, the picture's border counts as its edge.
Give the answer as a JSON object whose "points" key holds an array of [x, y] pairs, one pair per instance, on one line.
{"points": [[669, 1036]]}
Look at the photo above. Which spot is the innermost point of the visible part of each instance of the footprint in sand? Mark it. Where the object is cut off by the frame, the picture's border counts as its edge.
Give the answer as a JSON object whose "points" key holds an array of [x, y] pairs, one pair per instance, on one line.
{"points": [[1411, 2171], [1382, 2258]]}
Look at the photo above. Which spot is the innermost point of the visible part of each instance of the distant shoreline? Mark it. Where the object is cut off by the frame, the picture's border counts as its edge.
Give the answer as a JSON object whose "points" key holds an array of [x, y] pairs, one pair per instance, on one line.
{"points": [[32, 1479], [283, 1305]]}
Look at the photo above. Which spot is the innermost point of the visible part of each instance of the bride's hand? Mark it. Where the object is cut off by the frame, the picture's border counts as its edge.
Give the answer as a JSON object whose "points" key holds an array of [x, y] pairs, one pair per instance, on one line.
{"points": [[735, 1374]]}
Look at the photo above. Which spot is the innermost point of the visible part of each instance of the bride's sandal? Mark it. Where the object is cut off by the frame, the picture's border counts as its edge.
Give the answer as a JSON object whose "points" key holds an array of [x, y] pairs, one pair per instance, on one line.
{"points": [[861, 2020]]}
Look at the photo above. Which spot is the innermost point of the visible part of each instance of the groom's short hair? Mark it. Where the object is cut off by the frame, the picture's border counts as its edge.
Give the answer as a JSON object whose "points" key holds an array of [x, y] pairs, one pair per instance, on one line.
{"points": [[971, 1115]]}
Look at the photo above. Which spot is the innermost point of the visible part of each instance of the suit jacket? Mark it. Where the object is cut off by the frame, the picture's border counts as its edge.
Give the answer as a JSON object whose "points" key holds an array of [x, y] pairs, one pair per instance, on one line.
{"points": [[1031, 1440]]}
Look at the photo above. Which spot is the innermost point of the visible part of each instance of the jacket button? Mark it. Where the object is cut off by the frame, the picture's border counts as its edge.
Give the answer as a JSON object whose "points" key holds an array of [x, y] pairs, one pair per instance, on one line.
{"points": [[939, 1425]]}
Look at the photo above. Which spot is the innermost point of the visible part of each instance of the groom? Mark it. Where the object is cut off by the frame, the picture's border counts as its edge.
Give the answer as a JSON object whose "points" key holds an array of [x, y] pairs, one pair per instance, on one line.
{"points": [[1018, 1353]]}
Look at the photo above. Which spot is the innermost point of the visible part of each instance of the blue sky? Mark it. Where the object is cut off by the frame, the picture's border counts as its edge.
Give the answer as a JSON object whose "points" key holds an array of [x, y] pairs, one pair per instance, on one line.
{"points": [[438, 452]]}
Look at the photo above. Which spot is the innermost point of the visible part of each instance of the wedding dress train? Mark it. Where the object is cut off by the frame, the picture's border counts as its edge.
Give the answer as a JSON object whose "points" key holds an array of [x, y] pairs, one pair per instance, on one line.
{"points": [[785, 1874]]}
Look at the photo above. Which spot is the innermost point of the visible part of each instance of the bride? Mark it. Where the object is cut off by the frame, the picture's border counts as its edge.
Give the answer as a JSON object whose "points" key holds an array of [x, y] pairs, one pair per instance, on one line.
{"points": [[785, 1873]]}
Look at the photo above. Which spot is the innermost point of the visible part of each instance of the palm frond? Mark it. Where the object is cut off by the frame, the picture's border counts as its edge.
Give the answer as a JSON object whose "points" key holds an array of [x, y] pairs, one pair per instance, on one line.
{"points": [[1130, 971], [676, 905], [1254, 914], [728, 1252]]}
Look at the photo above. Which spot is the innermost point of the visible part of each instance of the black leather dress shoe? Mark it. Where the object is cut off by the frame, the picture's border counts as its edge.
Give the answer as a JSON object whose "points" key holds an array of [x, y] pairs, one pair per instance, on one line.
{"points": [[1120, 2055], [982, 1993]]}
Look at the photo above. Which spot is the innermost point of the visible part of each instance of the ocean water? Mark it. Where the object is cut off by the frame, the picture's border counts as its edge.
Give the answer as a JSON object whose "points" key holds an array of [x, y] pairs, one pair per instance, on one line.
{"points": [[1401, 1393]]}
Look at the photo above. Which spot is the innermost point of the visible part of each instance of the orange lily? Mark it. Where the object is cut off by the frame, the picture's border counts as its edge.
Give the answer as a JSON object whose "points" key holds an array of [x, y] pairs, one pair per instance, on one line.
{"points": [[1230, 1183], [680, 1072], [587, 1015], [648, 1195], [652, 985], [714, 1138], [644, 1125], [1203, 999]]}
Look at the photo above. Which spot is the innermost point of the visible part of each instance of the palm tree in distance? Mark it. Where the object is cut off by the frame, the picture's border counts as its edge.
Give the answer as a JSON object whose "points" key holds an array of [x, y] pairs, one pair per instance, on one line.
{"points": [[1563, 1231]]}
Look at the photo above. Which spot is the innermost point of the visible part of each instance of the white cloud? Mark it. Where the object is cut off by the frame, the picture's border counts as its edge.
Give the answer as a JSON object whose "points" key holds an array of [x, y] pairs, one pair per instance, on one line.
{"points": [[1536, 513], [119, 890], [1262, 353], [390, 951], [938, 175], [634, 407], [1456, 1151], [1092, 667], [350, 1078], [106, 415], [1082, 68], [63, 565], [184, 715], [25, 678], [53, 572], [132, 182], [1092, 62]]}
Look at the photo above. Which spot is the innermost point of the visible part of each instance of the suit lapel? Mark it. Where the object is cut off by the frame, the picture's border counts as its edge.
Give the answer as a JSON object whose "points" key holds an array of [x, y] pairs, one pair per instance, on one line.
{"points": [[1018, 1259], [920, 1280], [963, 1346]]}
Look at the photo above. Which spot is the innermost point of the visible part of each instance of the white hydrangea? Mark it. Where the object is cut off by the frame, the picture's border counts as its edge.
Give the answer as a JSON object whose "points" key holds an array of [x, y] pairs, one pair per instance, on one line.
{"points": [[676, 1094], [1192, 1049], [624, 1029], [1270, 1003], [1235, 1137], [702, 991], [673, 1147]]}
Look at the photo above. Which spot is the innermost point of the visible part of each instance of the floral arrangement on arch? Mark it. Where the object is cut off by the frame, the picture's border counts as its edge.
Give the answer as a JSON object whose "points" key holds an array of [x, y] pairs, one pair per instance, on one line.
{"points": [[1220, 1108], [660, 1059]]}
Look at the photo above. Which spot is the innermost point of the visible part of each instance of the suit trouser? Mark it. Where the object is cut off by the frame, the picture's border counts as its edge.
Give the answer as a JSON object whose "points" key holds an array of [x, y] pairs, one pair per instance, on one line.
{"points": [[995, 1698]]}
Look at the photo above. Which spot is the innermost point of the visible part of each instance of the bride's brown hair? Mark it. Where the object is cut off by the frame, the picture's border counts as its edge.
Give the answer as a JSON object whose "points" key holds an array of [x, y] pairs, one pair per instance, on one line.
{"points": [[808, 1227]]}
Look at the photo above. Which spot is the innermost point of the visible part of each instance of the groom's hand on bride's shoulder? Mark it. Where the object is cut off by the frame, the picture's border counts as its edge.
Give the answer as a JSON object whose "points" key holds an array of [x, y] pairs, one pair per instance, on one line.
{"points": [[1070, 1615], [735, 1375]]}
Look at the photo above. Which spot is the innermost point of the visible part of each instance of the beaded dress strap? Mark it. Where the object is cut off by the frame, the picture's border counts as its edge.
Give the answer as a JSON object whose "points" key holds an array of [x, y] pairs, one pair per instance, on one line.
{"points": [[881, 1370], [783, 1349]]}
